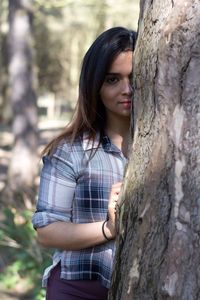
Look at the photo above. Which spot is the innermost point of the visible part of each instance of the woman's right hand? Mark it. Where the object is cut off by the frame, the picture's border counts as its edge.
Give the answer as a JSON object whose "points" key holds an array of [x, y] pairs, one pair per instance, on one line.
{"points": [[113, 199]]}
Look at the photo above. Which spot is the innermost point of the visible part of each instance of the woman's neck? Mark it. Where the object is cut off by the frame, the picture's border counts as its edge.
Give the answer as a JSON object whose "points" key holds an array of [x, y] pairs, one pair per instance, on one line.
{"points": [[118, 132]]}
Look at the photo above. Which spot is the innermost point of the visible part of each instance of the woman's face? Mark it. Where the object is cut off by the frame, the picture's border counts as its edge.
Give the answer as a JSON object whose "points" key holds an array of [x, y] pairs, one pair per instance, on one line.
{"points": [[116, 91]]}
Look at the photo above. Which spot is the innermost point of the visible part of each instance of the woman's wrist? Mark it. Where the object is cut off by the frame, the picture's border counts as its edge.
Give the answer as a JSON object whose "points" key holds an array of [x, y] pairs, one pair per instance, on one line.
{"points": [[108, 230]]}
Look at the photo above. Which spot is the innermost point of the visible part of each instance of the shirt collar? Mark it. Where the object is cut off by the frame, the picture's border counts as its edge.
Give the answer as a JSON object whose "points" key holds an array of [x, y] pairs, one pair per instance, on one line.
{"points": [[89, 144], [106, 144]]}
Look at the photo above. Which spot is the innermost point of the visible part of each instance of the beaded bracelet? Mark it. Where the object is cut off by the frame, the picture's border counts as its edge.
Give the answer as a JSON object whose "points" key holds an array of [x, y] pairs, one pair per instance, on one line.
{"points": [[108, 239]]}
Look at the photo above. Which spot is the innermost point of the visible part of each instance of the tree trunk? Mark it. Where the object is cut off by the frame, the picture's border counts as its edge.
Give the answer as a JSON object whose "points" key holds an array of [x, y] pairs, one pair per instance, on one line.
{"points": [[158, 253], [23, 166]]}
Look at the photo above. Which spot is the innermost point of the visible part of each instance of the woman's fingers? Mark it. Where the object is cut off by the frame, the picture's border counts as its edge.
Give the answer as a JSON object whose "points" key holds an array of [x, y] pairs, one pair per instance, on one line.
{"points": [[114, 196], [112, 204]]}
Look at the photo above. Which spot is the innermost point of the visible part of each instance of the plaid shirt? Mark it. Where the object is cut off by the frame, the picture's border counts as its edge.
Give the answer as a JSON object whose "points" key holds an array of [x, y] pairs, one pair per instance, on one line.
{"points": [[74, 188]]}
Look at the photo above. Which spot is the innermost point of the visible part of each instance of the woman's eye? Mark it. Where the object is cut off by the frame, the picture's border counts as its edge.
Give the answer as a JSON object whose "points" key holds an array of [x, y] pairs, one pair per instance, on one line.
{"points": [[111, 80]]}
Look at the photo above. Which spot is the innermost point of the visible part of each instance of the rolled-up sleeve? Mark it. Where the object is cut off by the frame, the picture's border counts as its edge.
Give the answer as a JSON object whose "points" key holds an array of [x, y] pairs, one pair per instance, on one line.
{"points": [[56, 190]]}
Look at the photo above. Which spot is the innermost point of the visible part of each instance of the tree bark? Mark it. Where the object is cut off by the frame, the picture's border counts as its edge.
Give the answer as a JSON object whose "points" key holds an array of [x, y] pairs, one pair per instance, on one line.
{"points": [[158, 253], [23, 166]]}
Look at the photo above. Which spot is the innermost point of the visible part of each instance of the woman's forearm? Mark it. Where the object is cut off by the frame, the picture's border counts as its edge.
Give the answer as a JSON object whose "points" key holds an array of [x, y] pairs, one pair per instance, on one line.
{"points": [[71, 236]]}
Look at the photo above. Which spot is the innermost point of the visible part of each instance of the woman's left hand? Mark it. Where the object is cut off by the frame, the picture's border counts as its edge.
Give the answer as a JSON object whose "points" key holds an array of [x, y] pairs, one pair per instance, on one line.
{"points": [[113, 200]]}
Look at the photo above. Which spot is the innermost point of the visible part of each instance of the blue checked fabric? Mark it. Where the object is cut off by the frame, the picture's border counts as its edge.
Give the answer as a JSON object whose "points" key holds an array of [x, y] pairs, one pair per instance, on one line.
{"points": [[74, 188]]}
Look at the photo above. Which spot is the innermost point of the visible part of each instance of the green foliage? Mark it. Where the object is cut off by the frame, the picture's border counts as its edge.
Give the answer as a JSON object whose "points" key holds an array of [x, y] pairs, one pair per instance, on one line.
{"points": [[50, 69], [52, 3], [26, 260]]}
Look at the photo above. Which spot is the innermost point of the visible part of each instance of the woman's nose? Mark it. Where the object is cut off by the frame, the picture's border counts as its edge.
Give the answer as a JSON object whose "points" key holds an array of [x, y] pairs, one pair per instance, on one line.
{"points": [[127, 87]]}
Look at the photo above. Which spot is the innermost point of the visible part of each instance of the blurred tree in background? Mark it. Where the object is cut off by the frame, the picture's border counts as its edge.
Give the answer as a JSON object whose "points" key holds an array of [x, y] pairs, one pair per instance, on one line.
{"points": [[22, 96], [41, 48], [3, 57]]}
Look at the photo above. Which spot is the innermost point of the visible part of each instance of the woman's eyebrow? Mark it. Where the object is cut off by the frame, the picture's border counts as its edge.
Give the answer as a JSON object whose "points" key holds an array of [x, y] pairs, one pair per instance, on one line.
{"points": [[113, 73], [117, 73]]}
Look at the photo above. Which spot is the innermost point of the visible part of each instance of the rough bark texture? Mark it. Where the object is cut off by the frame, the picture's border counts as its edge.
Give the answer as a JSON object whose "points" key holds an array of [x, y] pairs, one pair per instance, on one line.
{"points": [[23, 165], [158, 253]]}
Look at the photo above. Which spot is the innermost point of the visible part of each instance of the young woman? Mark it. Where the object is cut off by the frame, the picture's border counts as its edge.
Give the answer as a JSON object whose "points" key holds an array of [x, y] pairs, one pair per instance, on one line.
{"points": [[82, 174]]}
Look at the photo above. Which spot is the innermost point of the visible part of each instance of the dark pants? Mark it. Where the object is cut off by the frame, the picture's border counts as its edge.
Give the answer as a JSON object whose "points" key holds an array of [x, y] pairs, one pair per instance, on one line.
{"points": [[61, 289]]}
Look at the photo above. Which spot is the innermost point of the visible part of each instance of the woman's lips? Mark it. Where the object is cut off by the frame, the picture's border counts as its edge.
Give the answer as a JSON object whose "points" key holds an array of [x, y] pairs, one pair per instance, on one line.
{"points": [[126, 104]]}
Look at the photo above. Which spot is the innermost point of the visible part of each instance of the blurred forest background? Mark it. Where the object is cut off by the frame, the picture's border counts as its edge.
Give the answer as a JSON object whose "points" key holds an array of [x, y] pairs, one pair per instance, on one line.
{"points": [[41, 47]]}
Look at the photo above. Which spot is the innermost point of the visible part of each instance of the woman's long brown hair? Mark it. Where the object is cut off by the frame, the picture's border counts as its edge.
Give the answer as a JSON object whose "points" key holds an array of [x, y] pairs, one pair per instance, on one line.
{"points": [[90, 113]]}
